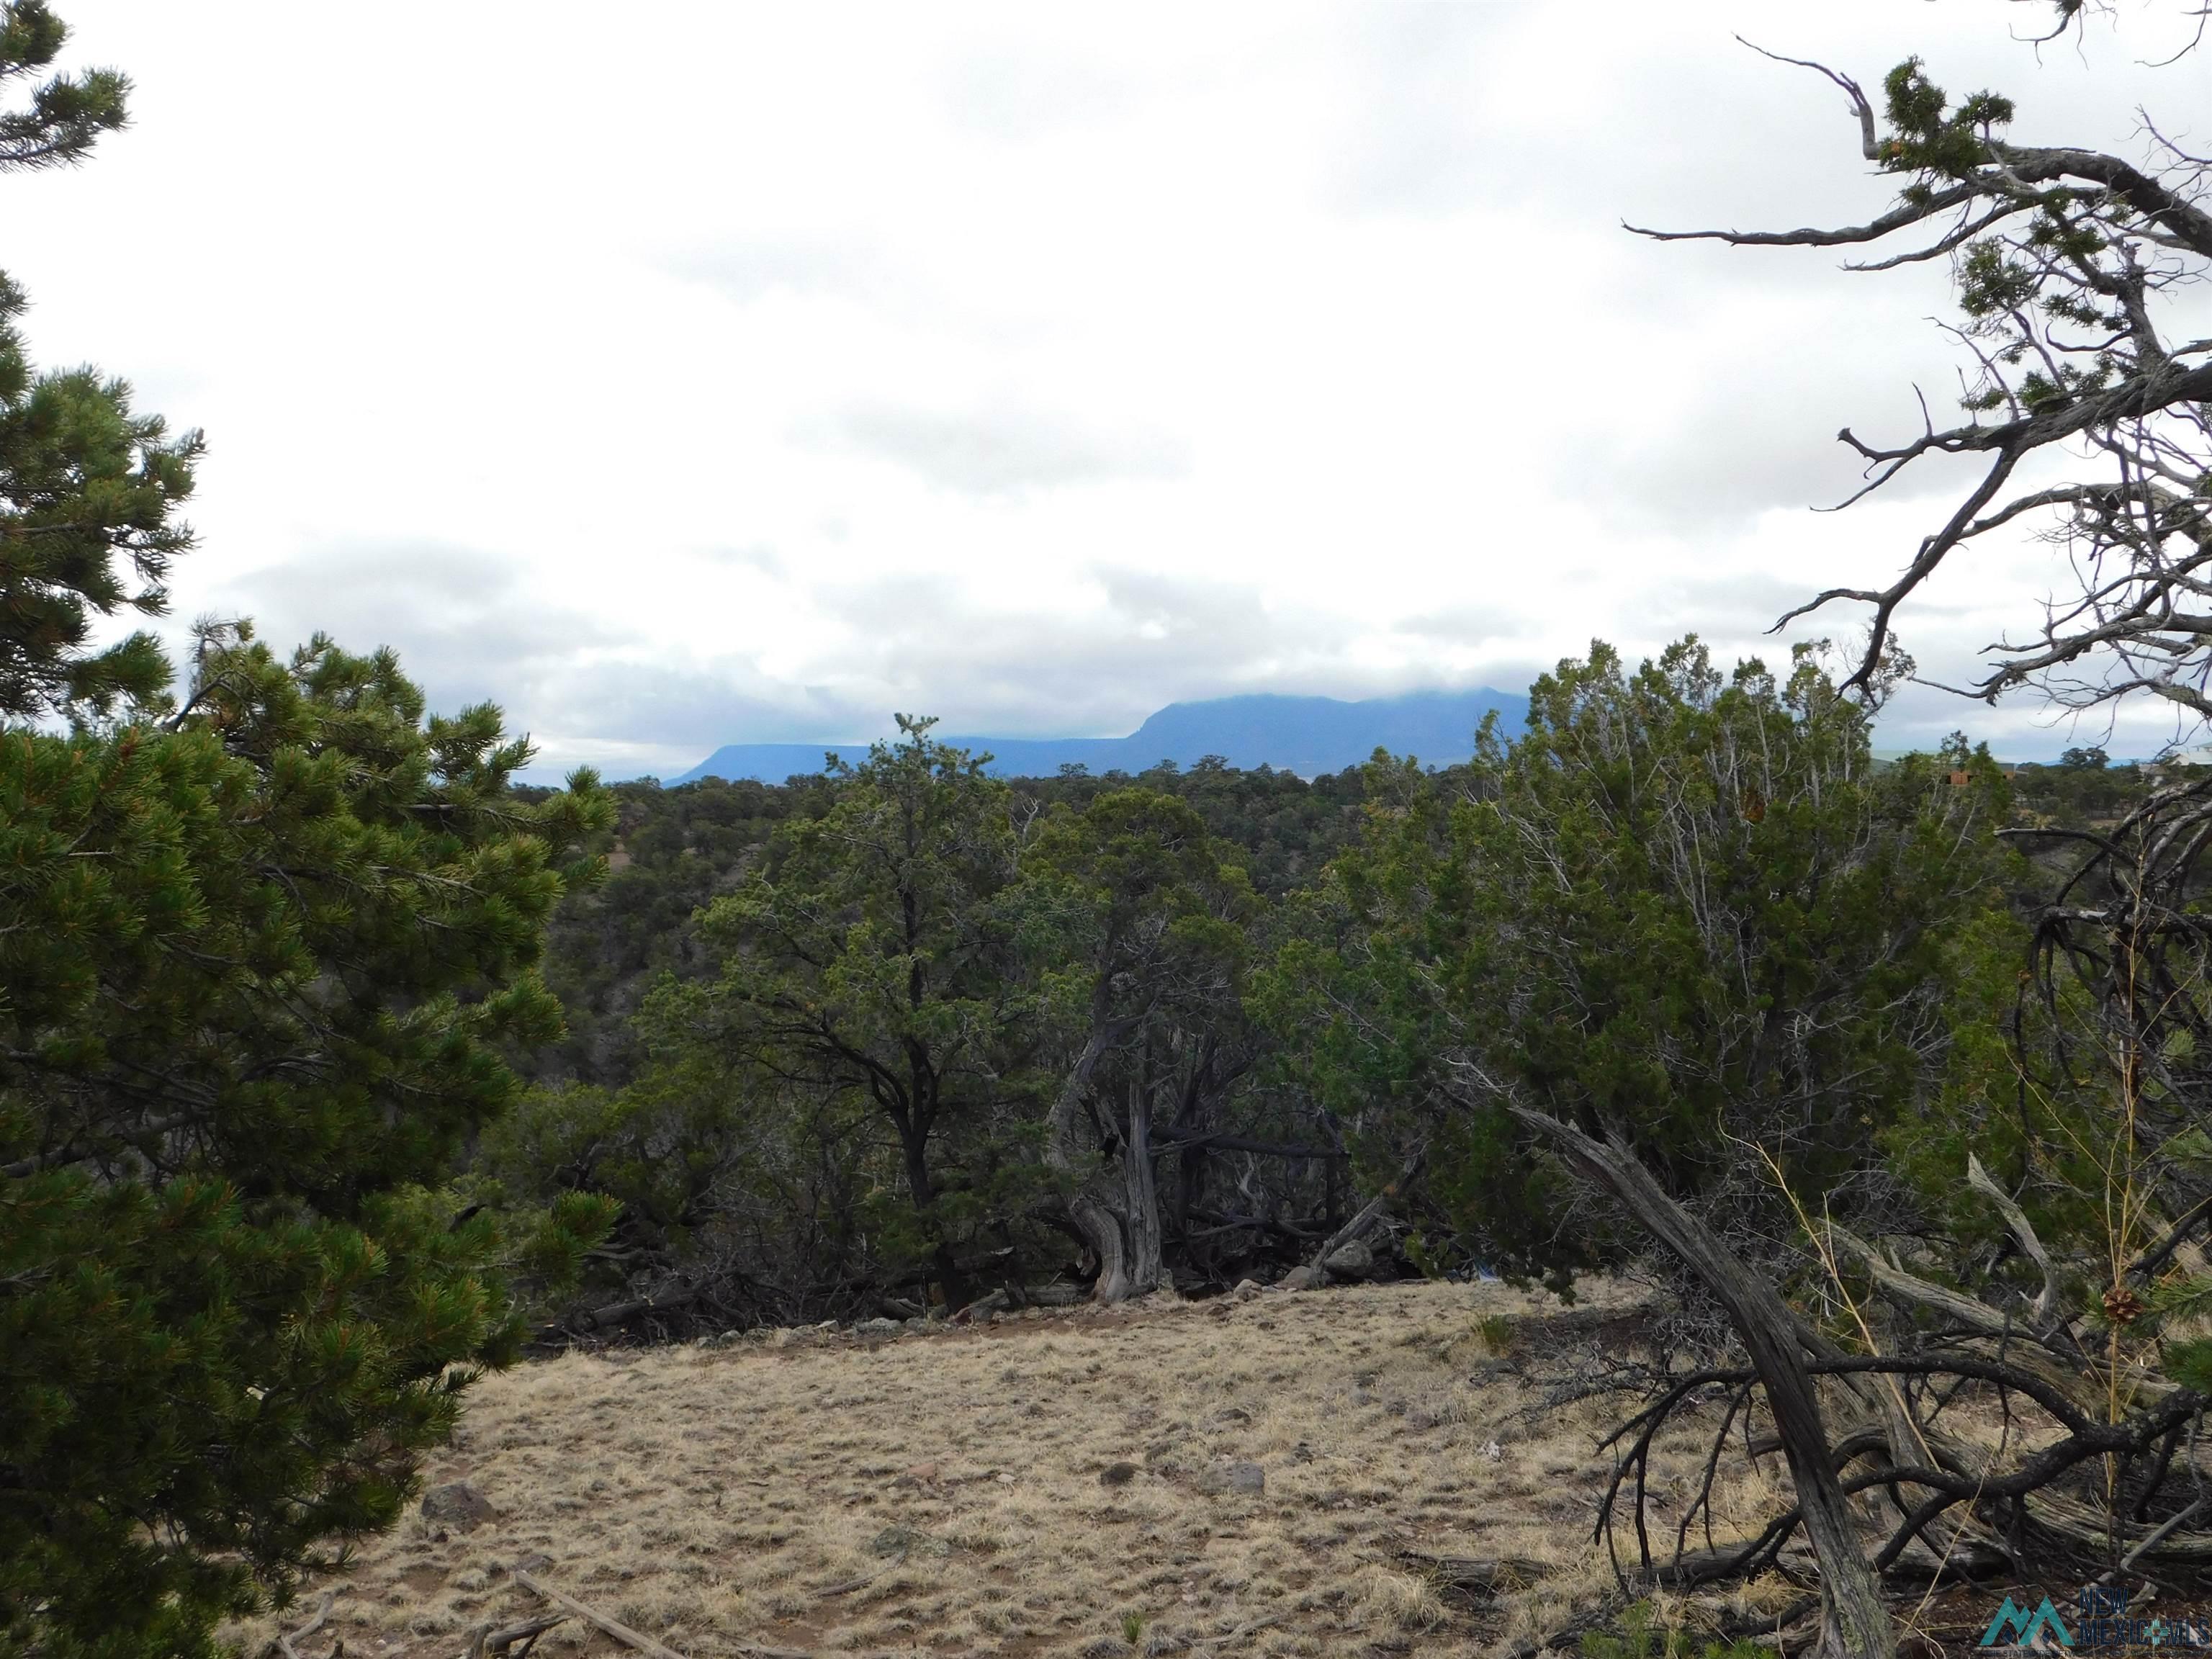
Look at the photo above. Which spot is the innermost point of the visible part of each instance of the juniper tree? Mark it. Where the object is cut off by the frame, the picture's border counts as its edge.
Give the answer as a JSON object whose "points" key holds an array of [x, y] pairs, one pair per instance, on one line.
{"points": [[87, 487], [2073, 271], [1680, 934], [1148, 916], [874, 960]]}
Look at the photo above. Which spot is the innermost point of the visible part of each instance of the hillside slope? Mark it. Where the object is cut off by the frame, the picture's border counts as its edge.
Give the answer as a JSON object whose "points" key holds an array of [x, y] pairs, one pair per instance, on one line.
{"points": [[1042, 1486]]}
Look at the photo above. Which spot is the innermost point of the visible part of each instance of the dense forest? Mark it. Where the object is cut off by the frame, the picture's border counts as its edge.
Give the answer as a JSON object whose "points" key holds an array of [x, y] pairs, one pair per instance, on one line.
{"points": [[336, 1065], [716, 1152]]}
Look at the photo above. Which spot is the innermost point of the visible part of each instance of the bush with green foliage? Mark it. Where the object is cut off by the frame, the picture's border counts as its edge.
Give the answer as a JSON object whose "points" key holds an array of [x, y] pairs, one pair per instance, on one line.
{"points": [[1682, 905], [261, 964], [1641, 1633], [261, 959]]}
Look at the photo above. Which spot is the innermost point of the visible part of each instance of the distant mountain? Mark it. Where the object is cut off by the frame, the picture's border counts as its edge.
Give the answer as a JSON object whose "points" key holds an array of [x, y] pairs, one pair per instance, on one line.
{"points": [[1305, 735]]}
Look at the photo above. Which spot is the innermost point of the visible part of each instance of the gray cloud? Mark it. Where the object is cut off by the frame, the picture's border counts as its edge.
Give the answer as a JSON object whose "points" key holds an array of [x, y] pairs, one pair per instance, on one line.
{"points": [[924, 644], [468, 628], [1001, 450], [1365, 263], [704, 707], [1477, 622], [465, 625]]}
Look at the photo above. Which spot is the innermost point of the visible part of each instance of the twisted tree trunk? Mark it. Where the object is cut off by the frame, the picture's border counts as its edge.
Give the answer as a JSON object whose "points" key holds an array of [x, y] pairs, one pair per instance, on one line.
{"points": [[1146, 1267], [1854, 1622], [1063, 1153]]}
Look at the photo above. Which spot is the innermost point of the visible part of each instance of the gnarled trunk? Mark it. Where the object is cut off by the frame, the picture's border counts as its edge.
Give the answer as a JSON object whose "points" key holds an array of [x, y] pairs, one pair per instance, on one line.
{"points": [[1854, 1622], [1146, 1267], [914, 1147], [1063, 1153]]}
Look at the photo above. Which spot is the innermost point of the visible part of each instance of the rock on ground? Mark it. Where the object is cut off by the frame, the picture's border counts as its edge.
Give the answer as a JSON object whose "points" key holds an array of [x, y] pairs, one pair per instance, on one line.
{"points": [[458, 1505], [1247, 1478]]}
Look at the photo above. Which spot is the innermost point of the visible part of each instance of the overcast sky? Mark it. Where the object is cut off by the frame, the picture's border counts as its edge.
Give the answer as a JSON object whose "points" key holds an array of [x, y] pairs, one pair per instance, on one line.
{"points": [[679, 374]]}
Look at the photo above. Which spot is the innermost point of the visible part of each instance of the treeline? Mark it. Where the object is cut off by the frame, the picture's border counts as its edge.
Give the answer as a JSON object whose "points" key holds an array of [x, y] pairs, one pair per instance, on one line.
{"points": [[819, 1036], [891, 1038], [671, 851]]}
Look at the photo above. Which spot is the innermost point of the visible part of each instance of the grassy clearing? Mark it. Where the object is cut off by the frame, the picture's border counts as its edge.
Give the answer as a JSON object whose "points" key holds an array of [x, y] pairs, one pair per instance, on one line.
{"points": [[1048, 1486]]}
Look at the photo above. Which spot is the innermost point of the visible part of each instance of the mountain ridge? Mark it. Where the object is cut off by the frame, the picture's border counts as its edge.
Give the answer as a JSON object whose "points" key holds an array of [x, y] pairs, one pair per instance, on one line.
{"points": [[1307, 735]]}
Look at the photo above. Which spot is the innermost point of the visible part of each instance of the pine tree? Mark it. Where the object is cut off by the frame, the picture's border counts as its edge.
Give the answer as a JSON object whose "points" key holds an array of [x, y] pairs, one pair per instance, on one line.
{"points": [[88, 488], [261, 957], [260, 965]]}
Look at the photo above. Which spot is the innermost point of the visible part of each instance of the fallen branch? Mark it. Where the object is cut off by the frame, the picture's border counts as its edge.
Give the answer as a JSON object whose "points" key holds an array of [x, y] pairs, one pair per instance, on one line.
{"points": [[983, 1306], [1482, 1576], [1317, 1271], [2023, 1234], [486, 1643], [594, 1319], [637, 1639], [864, 1579], [1250, 1628], [309, 1629]]}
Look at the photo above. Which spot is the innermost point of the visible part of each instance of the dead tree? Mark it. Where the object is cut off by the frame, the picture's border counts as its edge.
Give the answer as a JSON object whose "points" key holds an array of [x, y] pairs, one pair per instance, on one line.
{"points": [[2069, 263], [2071, 266]]}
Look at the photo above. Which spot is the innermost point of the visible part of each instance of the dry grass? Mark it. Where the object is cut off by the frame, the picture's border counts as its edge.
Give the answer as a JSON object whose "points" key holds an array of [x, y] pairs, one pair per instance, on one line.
{"points": [[943, 1493]]}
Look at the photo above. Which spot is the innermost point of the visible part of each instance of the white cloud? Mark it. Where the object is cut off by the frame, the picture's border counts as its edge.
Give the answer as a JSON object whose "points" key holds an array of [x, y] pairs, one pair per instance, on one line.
{"points": [[1004, 451], [745, 373]]}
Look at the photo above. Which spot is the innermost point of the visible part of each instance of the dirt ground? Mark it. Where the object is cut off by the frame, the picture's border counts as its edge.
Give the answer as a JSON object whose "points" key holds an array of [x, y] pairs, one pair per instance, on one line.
{"points": [[1054, 1485]]}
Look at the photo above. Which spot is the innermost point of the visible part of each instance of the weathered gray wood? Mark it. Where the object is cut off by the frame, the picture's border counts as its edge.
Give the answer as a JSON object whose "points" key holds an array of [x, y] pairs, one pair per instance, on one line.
{"points": [[1100, 1227], [1147, 1270], [637, 1639], [489, 1642], [322, 1614], [2023, 1233], [1854, 1622]]}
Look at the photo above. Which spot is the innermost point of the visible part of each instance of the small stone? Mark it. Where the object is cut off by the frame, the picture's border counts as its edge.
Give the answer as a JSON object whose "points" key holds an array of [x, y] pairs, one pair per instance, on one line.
{"points": [[1353, 1260], [1301, 1279], [897, 1539], [458, 1505], [1006, 1480], [879, 1327], [1117, 1475], [1246, 1288], [1245, 1477]]}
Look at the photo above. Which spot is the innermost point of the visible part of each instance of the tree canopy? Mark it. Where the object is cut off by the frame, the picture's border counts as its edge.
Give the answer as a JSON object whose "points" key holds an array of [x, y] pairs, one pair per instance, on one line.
{"points": [[263, 963]]}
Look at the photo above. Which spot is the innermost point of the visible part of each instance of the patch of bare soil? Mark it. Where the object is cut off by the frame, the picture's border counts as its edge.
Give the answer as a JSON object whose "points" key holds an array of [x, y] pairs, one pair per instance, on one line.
{"points": [[1072, 1483]]}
